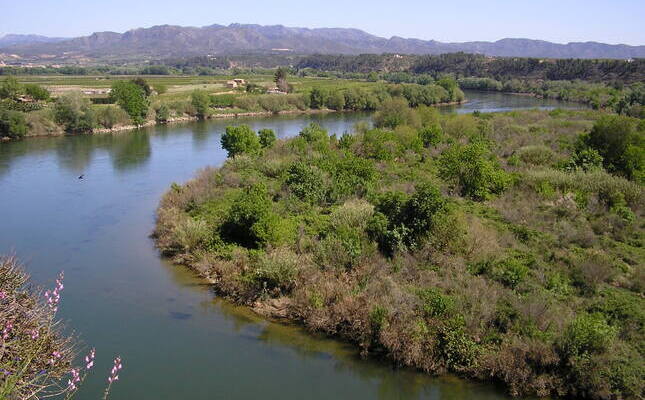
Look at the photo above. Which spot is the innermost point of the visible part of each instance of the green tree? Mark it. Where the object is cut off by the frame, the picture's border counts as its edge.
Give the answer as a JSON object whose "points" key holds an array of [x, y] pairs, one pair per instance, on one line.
{"points": [[110, 116], [74, 112], [336, 101], [36, 92], [250, 221], [143, 84], [10, 88], [317, 98], [267, 137], [395, 112], [131, 97], [12, 124], [474, 170], [621, 143], [240, 139], [280, 79], [201, 101]]}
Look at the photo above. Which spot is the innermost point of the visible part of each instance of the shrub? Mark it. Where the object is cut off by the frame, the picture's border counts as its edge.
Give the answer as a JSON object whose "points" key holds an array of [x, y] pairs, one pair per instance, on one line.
{"points": [[36, 92], [250, 221], [621, 143], [267, 137], [110, 116], [336, 101], [431, 135], [379, 144], [273, 103], [132, 98], [201, 101], [587, 333], [306, 182], [74, 113], [584, 160], [474, 170], [535, 155], [274, 270], [162, 114], [240, 139], [434, 303], [402, 222], [12, 124], [314, 133], [395, 112]]}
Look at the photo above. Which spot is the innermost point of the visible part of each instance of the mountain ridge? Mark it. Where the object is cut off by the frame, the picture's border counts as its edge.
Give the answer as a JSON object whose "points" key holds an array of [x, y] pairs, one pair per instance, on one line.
{"points": [[161, 41]]}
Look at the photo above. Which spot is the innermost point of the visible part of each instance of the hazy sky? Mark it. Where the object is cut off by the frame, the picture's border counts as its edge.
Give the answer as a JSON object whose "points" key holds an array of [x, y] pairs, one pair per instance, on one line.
{"points": [[616, 21]]}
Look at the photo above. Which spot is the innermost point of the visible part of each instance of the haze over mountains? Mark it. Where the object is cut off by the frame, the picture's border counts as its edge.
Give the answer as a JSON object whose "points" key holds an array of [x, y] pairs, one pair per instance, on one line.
{"points": [[167, 41]]}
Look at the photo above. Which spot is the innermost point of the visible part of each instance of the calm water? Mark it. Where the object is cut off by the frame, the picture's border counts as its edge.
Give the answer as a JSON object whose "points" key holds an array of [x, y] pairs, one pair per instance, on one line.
{"points": [[176, 339]]}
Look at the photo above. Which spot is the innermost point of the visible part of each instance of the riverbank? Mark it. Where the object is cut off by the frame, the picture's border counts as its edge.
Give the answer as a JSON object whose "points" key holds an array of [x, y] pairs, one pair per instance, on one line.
{"points": [[410, 264]]}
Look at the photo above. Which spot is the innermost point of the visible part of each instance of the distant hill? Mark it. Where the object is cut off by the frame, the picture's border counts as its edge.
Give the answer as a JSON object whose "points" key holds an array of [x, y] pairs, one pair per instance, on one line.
{"points": [[178, 41], [14, 39]]}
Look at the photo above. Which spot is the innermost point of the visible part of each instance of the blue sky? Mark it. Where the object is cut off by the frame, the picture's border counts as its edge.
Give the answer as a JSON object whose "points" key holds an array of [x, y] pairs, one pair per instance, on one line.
{"points": [[616, 21]]}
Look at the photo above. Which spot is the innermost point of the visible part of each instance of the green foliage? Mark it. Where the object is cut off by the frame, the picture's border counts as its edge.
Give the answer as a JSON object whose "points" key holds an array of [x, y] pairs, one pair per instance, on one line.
{"points": [[12, 124], [250, 221], [402, 222], [110, 116], [585, 160], [267, 137], [395, 112], [131, 97], [74, 113], [10, 88], [621, 143], [336, 101], [162, 114], [274, 270], [201, 101], [459, 350], [431, 135], [434, 303], [317, 98], [474, 170], [306, 182], [587, 333], [314, 133], [240, 139], [36, 92]]}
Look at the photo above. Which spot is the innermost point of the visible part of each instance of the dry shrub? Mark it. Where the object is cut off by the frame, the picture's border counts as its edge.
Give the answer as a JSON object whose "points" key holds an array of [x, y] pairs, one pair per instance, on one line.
{"points": [[525, 366]]}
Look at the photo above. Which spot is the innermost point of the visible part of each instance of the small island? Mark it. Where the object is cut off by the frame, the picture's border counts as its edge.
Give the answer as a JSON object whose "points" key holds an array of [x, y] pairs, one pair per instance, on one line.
{"points": [[501, 247]]}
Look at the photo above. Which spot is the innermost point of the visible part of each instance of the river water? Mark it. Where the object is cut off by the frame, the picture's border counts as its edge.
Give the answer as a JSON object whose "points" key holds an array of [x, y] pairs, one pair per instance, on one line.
{"points": [[176, 339]]}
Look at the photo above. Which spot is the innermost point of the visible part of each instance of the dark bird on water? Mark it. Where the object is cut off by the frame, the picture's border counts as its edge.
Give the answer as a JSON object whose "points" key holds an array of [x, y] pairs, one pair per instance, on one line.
{"points": [[81, 177]]}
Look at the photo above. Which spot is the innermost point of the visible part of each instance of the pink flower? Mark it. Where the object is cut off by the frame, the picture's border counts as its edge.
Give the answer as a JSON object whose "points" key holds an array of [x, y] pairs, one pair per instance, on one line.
{"points": [[34, 334], [7, 330], [53, 297], [114, 372], [56, 355], [3, 295], [76, 377], [89, 359]]}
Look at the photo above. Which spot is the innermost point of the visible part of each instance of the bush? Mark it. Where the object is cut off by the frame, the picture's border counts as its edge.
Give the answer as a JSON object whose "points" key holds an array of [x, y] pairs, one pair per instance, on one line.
{"points": [[395, 112], [275, 270], [336, 101], [314, 133], [535, 155], [267, 137], [431, 135], [110, 116], [240, 139], [132, 98], [474, 170], [621, 143], [435, 304], [12, 124], [306, 182], [250, 221], [74, 113], [402, 222], [587, 333], [162, 114], [36, 92], [201, 101]]}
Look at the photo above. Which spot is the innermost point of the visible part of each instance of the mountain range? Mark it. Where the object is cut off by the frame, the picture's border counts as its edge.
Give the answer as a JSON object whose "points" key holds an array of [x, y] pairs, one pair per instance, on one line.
{"points": [[167, 41]]}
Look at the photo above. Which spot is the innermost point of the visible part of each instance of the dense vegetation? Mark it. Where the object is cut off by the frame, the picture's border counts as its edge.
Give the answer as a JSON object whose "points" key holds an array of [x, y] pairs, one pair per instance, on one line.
{"points": [[505, 247], [28, 109]]}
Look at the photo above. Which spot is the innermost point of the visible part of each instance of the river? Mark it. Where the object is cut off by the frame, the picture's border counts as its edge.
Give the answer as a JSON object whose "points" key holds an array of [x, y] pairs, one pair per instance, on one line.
{"points": [[176, 339]]}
